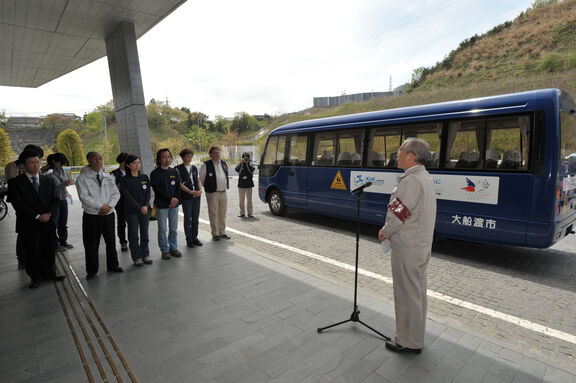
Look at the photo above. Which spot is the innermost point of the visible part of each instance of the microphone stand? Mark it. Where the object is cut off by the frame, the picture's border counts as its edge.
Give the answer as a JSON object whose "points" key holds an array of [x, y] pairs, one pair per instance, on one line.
{"points": [[355, 317]]}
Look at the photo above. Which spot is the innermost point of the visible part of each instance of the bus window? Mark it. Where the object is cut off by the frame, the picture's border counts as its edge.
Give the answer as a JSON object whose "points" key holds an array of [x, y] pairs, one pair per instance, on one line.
{"points": [[325, 145], [350, 148], [507, 142], [432, 134], [270, 152], [567, 136], [463, 137], [385, 144], [274, 153], [297, 150]]}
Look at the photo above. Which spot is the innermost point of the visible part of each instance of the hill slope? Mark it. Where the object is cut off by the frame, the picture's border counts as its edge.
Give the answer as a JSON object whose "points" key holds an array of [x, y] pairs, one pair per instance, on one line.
{"points": [[540, 40]]}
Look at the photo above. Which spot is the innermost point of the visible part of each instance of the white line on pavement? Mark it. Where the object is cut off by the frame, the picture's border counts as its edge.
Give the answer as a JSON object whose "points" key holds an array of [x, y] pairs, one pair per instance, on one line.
{"points": [[433, 294]]}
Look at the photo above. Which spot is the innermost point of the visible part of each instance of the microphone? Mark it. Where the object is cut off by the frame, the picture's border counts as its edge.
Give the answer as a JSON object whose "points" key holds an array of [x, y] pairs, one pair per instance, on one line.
{"points": [[366, 185]]}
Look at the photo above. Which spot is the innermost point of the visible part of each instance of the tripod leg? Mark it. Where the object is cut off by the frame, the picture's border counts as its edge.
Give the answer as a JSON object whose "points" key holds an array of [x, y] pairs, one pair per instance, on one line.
{"points": [[320, 329], [376, 331]]}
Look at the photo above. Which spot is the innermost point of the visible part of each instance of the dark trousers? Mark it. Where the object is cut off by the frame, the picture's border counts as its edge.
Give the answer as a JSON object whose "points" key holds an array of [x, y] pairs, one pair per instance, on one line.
{"points": [[191, 210], [20, 250], [138, 224], [39, 244], [60, 216], [121, 223], [93, 227]]}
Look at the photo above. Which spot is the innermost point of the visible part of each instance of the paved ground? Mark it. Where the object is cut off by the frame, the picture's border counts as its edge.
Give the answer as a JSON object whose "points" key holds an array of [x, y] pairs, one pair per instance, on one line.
{"points": [[247, 310], [532, 285]]}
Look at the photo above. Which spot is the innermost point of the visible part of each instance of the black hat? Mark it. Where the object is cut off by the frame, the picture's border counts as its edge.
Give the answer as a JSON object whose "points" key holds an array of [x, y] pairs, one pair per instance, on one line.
{"points": [[27, 154]]}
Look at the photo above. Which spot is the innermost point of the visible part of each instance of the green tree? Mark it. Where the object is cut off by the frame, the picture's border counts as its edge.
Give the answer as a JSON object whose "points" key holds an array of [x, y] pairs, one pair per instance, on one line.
{"points": [[5, 148], [222, 125], [70, 143], [199, 138], [160, 115], [243, 122], [59, 121]]}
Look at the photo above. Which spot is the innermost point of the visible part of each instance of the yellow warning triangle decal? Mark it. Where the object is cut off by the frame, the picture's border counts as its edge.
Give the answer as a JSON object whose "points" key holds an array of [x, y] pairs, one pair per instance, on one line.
{"points": [[338, 182]]}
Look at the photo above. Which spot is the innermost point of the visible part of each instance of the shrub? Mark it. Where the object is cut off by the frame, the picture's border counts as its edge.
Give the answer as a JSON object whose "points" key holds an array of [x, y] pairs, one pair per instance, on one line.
{"points": [[552, 62], [571, 61]]}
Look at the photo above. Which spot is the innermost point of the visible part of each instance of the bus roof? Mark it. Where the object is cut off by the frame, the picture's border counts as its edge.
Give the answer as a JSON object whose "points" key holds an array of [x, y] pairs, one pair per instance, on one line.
{"points": [[514, 102]]}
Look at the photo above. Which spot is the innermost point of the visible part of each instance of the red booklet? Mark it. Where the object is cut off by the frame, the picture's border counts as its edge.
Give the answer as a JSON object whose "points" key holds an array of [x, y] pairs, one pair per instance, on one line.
{"points": [[399, 209]]}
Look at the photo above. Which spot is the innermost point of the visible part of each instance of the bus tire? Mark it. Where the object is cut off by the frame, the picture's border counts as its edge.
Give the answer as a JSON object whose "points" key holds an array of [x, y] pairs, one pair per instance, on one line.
{"points": [[276, 203]]}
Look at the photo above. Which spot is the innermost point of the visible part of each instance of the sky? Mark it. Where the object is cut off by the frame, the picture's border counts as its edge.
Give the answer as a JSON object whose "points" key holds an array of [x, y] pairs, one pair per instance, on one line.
{"points": [[221, 57]]}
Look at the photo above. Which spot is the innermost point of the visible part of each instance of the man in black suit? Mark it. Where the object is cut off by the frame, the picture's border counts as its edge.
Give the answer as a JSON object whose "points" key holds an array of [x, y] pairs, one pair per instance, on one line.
{"points": [[33, 198]]}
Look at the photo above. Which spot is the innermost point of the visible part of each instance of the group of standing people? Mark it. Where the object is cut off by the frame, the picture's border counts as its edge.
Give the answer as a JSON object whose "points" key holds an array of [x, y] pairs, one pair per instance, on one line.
{"points": [[124, 193]]}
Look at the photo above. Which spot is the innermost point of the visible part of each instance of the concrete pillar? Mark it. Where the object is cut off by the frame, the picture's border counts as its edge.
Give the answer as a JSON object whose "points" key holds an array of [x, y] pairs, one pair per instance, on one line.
{"points": [[128, 93]]}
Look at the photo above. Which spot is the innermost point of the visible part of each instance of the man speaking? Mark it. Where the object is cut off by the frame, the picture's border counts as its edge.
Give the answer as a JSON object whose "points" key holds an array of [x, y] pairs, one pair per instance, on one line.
{"points": [[409, 227]]}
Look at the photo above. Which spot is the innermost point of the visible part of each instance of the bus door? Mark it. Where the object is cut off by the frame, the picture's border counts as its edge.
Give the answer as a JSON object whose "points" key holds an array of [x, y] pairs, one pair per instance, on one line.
{"points": [[335, 155], [293, 176]]}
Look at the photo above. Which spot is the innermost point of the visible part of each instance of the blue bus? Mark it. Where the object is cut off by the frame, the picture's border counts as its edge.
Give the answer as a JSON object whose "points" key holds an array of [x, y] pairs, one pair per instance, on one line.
{"points": [[503, 167]]}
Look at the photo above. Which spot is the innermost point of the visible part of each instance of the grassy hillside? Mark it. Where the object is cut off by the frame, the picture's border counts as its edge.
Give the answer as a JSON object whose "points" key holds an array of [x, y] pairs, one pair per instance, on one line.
{"points": [[539, 41]]}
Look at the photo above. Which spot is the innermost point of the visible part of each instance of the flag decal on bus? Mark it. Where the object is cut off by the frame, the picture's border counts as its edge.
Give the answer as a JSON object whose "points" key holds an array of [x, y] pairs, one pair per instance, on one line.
{"points": [[338, 182]]}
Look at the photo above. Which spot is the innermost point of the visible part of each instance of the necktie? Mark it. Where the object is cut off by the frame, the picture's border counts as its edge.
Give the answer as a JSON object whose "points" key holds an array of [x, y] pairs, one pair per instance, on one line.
{"points": [[35, 184], [99, 179]]}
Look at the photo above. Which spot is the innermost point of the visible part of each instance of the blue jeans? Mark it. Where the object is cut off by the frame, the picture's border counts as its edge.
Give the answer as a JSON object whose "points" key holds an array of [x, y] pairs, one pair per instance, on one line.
{"points": [[170, 215], [138, 224], [191, 210], [60, 217]]}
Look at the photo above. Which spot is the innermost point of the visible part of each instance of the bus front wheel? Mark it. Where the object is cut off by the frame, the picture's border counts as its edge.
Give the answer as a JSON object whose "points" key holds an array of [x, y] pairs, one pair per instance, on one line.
{"points": [[276, 203]]}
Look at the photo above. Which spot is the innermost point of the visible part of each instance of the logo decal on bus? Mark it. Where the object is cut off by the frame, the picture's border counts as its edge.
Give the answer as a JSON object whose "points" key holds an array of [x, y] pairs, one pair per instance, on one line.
{"points": [[471, 187]]}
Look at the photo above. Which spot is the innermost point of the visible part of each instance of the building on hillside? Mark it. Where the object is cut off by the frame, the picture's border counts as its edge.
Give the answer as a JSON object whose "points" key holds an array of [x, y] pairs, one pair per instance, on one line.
{"points": [[19, 122], [323, 102]]}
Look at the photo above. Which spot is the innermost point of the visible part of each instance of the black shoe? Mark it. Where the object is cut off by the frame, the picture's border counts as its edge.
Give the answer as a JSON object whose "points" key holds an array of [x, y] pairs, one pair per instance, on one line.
{"points": [[393, 346], [189, 244], [90, 276], [224, 236], [215, 238], [197, 242], [240, 215], [175, 253], [123, 246], [117, 269], [34, 283]]}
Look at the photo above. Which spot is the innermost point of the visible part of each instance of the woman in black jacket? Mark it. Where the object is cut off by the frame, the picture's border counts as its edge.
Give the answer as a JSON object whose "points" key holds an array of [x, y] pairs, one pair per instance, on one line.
{"points": [[135, 187], [245, 171]]}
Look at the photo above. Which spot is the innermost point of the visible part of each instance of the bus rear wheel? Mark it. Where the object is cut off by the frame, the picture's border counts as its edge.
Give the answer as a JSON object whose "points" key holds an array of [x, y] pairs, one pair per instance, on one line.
{"points": [[276, 203]]}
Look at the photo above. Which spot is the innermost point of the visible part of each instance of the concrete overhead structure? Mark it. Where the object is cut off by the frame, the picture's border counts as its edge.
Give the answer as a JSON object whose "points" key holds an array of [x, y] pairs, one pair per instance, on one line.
{"points": [[41, 40]]}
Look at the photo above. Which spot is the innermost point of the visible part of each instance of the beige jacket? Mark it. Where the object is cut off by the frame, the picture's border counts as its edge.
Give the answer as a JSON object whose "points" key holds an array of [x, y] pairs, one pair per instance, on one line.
{"points": [[415, 189]]}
